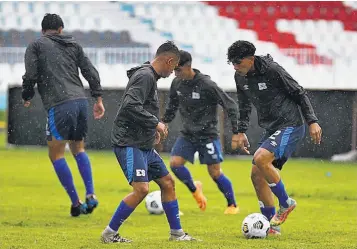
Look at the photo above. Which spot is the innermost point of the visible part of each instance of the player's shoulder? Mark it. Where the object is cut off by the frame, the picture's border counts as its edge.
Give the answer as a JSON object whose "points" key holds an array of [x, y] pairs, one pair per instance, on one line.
{"points": [[206, 80]]}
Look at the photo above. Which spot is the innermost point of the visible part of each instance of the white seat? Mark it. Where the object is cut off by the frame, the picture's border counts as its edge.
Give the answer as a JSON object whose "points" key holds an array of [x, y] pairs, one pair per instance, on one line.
{"points": [[7, 8], [11, 22]]}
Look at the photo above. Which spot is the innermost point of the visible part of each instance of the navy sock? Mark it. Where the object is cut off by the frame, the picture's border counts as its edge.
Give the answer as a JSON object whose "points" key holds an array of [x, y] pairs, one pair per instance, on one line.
{"points": [[184, 175], [280, 192], [65, 176], [225, 186], [172, 214], [121, 214], [85, 169], [267, 211]]}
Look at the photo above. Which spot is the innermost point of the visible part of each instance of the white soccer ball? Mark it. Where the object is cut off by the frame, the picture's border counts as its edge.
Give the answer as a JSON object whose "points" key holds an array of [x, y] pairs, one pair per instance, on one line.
{"points": [[255, 226], [153, 203]]}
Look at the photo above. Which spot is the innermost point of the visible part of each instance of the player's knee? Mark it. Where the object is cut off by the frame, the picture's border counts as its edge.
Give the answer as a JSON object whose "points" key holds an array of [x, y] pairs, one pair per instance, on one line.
{"points": [[260, 158], [168, 183], [214, 171], [176, 161], [141, 190]]}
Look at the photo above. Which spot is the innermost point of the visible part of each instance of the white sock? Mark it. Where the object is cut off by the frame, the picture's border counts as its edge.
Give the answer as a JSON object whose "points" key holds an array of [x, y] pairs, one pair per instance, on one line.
{"points": [[178, 232], [108, 230]]}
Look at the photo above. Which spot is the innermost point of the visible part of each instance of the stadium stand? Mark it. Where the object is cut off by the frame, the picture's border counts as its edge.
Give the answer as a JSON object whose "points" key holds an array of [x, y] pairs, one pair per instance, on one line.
{"points": [[313, 40]]}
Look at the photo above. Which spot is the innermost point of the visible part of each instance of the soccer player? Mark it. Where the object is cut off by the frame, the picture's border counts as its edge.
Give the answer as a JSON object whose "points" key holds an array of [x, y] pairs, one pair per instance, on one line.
{"points": [[136, 129], [197, 96], [52, 61], [282, 105]]}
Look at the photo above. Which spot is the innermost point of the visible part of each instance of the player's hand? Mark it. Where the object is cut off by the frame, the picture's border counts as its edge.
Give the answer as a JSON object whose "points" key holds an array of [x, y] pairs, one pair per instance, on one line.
{"points": [[27, 103], [240, 141], [162, 129], [315, 132], [157, 138], [98, 109]]}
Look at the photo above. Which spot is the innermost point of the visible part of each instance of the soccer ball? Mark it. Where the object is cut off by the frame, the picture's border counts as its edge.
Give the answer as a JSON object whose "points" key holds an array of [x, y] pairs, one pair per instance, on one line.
{"points": [[153, 203], [255, 226]]}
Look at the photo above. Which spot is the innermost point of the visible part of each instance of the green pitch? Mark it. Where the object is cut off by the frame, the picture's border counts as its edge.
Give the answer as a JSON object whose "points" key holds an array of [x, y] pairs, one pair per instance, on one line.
{"points": [[34, 209]]}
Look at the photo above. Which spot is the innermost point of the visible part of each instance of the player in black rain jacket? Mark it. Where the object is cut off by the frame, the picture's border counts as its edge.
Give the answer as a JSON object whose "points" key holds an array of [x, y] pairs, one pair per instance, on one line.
{"points": [[196, 97], [133, 138], [282, 105]]}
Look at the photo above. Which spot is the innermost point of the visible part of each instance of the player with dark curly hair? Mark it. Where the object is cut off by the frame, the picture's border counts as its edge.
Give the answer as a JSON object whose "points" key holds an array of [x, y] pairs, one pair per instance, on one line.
{"points": [[282, 106]]}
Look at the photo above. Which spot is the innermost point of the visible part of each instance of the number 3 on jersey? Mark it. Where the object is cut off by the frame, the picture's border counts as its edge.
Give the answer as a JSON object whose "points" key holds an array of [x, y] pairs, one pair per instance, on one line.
{"points": [[210, 148]]}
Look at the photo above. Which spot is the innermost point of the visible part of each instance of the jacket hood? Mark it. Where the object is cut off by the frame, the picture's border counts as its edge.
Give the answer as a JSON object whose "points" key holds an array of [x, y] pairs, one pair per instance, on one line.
{"points": [[147, 64], [262, 63], [66, 40], [198, 77]]}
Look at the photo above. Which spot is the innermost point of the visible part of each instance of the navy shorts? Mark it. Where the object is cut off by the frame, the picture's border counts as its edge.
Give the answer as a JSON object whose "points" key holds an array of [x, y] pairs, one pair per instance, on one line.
{"points": [[68, 121], [140, 165], [209, 153], [282, 143]]}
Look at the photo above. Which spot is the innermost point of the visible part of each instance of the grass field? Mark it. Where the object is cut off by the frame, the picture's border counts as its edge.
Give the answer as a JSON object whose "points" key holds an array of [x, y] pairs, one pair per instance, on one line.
{"points": [[34, 209]]}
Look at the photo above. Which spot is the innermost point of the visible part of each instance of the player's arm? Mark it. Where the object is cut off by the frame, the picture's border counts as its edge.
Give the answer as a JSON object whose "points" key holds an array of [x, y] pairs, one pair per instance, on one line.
{"points": [[134, 99], [173, 104], [245, 109], [29, 80], [297, 93], [228, 104], [89, 73]]}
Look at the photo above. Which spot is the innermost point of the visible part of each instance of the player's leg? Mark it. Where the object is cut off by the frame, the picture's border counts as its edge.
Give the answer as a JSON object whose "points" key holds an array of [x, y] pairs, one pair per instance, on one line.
{"points": [[182, 152], [58, 127], [265, 197], [273, 153], [157, 171], [133, 162], [225, 186], [77, 148], [211, 154]]}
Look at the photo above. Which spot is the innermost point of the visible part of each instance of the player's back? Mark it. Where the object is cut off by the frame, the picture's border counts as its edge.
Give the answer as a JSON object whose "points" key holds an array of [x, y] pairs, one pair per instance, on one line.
{"points": [[137, 117], [59, 57]]}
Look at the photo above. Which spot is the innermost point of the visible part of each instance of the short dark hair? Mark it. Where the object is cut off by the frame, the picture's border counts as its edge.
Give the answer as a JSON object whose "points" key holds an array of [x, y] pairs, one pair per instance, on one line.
{"points": [[168, 47], [185, 57], [51, 22], [240, 49]]}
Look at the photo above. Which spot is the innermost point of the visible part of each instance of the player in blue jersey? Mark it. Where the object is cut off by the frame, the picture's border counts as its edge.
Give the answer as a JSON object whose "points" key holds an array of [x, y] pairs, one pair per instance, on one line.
{"points": [[52, 62]]}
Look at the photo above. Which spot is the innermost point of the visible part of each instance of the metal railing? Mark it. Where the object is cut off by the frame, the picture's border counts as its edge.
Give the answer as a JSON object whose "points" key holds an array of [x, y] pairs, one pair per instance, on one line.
{"points": [[13, 55]]}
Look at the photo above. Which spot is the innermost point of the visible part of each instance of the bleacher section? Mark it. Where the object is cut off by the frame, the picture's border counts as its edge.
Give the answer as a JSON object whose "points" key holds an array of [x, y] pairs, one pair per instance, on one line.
{"points": [[314, 41]]}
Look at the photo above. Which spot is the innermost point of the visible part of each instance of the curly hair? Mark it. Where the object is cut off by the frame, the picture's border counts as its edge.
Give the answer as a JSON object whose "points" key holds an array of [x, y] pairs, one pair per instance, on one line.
{"points": [[240, 49]]}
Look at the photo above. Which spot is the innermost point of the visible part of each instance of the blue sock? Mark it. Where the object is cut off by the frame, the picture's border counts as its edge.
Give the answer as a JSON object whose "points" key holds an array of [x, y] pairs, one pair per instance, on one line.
{"points": [[85, 169], [225, 186], [64, 175], [172, 214], [184, 175], [280, 192], [267, 211], [121, 214]]}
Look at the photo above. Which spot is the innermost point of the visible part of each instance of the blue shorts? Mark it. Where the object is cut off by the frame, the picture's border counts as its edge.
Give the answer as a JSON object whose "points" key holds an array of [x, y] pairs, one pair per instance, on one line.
{"points": [[209, 153], [282, 143], [68, 121], [140, 165]]}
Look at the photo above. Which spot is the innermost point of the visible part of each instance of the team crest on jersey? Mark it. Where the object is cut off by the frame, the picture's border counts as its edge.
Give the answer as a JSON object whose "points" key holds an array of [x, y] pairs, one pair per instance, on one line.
{"points": [[262, 86], [178, 93], [195, 95], [245, 87]]}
